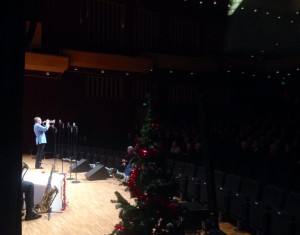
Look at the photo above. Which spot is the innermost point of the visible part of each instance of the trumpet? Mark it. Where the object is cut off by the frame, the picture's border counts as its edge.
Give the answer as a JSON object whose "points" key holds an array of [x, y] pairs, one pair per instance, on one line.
{"points": [[50, 122]]}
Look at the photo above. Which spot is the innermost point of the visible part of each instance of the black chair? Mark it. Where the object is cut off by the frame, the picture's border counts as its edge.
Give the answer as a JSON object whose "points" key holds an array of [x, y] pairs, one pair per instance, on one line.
{"points": [[219, 177], [83, 153], [263, 175], [87, 153], [283, 178], [239, 206], [102, 159], [224, 192], [169, 166], [100, 151], [189, 172], [230, 167], [109, 162], [287, 220], [259, 211], [96, 155], [178, 169], [117, 162], [193, 185], [245, 170]]}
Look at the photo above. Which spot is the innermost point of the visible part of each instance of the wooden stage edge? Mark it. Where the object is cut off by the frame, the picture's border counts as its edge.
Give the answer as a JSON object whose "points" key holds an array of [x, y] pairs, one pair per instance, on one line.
{"points": [[89, 210]]}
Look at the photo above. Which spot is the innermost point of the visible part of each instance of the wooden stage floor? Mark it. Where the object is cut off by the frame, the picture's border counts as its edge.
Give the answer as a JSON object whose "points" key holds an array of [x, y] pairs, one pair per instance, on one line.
{"points": [[89, 210]]}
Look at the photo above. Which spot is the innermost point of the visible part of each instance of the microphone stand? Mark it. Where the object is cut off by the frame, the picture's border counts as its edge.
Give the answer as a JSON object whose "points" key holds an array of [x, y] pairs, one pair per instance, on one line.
{"points": [[68, 140], [62, 146], [70, 132], [55, 153], [75, 152]]}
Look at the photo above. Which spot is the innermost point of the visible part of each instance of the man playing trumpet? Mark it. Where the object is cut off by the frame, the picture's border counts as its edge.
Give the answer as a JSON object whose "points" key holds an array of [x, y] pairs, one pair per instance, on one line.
{"points": [[40, 139]]}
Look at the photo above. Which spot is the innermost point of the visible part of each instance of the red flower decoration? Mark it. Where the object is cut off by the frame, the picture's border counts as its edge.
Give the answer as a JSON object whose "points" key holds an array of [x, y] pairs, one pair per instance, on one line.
{"points": [[119, 227]]}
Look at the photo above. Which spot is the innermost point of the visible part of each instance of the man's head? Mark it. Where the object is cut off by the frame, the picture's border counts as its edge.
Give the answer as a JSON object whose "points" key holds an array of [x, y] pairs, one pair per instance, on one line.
{"points": [[37, 120], [129, 149]]}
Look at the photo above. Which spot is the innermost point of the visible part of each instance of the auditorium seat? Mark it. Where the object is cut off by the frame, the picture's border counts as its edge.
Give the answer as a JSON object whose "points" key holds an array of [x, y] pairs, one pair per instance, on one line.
{"points": [[239, 207], [108, 152], [287, 220], [193, 186], [245, 170], [230, 167], [219, 180], [109, 162], [102, 159], [283, 178], [263, 175], [169, 166], [117, 162], [189, 172], [224, 192], [178, 169], [259, 210]]}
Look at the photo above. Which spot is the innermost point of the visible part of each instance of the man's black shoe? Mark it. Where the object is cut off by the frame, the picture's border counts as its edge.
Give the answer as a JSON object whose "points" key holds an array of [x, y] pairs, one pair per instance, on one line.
{"points": [[39, 167], [32, 216]]}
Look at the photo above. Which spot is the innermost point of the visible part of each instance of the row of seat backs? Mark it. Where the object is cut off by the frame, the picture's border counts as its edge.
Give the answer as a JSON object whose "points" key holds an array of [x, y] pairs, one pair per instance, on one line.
{"points": [[287, 178], [233, 192]]}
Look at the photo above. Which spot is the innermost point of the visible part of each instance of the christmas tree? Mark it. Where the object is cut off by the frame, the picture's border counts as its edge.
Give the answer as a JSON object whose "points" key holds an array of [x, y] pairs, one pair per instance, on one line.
{"points": [[152, 188]]}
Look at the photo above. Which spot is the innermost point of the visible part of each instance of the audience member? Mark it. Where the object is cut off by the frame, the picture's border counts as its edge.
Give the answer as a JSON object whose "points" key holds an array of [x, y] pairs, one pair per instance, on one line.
{"points": [[28, 190]]}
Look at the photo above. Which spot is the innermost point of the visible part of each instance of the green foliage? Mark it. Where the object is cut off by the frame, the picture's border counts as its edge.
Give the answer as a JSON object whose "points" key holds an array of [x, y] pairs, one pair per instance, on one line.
{"points": [[151, 187]]}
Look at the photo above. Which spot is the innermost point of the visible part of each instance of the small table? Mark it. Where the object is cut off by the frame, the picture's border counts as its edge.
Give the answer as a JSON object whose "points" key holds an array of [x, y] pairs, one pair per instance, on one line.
{"points": [[40, 181]]}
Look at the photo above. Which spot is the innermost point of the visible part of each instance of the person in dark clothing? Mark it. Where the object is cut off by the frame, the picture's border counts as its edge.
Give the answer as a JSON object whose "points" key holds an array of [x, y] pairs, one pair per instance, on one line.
{"points": [[28, 190], [126, 159]]}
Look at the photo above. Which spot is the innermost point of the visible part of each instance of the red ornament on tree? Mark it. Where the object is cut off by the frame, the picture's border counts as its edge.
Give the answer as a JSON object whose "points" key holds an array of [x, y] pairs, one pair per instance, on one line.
{"points": [[144, 153]]}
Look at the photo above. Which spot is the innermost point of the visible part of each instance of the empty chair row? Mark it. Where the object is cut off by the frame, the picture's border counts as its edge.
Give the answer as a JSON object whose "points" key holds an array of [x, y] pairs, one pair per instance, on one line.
{"points": [[266, 209], [287, 178]]}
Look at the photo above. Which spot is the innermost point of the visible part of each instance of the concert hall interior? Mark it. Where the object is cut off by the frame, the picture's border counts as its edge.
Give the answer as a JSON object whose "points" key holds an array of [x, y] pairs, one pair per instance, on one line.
{"points": [[206, 90]]}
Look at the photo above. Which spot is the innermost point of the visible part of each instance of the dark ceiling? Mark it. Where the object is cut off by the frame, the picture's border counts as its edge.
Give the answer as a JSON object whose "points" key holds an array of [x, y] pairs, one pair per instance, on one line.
{"points": [[258, 29], [264, 29]]}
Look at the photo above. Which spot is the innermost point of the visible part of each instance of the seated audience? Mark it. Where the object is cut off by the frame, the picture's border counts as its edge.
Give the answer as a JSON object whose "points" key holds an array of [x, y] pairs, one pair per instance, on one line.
{"points": [[28, 190]]}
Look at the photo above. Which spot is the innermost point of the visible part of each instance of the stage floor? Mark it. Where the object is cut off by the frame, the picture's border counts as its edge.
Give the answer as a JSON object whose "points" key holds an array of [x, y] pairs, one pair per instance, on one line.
{"points": [[89, 210]]}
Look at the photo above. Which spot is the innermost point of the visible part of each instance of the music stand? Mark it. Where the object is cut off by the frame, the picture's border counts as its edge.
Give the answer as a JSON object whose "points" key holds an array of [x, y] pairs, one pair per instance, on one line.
{"points": [[61, 146], [75, 152], [55, 151], [70, 133]]}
